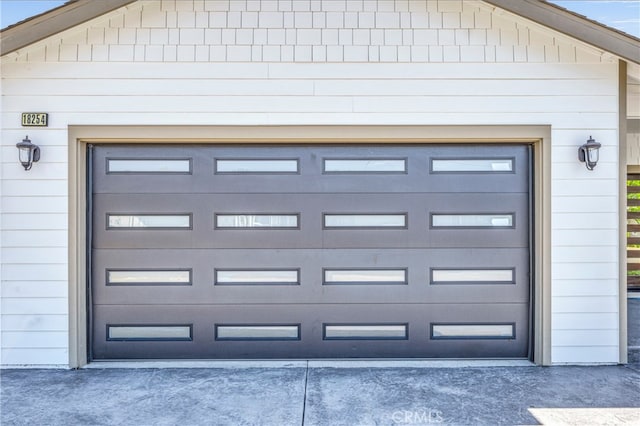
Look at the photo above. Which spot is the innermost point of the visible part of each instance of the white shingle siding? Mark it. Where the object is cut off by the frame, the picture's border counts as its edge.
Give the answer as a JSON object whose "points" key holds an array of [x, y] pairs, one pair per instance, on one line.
{"points": [[310, 62], [149, 24]]}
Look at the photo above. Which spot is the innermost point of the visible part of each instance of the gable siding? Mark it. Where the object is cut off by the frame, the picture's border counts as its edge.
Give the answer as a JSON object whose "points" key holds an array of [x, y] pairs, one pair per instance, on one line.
{"points": [[310, 63]]}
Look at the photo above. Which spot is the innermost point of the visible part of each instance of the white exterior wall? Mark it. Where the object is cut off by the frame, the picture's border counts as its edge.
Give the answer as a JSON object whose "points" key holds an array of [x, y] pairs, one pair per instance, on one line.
{"points": [[310, 62]]}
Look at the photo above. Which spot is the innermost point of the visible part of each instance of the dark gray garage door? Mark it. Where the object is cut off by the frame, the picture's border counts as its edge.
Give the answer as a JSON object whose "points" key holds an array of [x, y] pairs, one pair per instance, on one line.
{"points": [[310, 251]]}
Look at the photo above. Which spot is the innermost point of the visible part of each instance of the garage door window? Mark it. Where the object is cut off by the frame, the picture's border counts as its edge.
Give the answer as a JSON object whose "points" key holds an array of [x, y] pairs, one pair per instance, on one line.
{"points": [[257, 277], [257, 332], [149, 221], [472, 331], [365, 276], [258, 221], [365, 331], [472, 220], [365, 220], [167, 165], [149, 332], [473, 276], [482, 165], [366, 165], [148, 277], [256, 166]]}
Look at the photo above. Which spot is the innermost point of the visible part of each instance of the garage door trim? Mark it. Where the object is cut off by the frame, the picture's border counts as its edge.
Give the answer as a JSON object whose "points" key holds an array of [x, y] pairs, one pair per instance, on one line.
{"points": [[81, 136]]}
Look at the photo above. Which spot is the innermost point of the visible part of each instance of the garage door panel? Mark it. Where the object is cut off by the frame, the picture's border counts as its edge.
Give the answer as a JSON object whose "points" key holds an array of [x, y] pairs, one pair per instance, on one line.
{"points": [[305, 251], [309, 229], [489, 170], [365, 331], [461, 276]]}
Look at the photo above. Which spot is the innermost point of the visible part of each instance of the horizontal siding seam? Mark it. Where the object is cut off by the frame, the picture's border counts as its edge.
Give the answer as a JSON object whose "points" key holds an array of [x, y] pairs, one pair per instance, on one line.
{"points": [[33, 315], [38, 263], [584, 346], [12, 246], [37, 298], [585, 329], [595, 282], [593, 297], [34, 347], [580, 244], [30, 298]]}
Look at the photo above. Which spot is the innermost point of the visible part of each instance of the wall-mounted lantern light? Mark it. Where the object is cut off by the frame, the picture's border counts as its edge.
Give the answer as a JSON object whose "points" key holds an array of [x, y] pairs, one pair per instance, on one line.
{"points": [[28, 153], [589, 153]]}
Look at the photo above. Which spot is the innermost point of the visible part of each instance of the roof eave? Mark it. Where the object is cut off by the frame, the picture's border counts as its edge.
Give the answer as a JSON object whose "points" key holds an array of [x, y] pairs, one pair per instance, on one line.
{"points": [[54, 21], [591, 32]]}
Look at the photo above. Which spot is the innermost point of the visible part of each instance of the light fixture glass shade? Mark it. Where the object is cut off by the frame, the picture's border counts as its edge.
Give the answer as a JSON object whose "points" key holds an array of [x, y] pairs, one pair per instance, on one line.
{"points": [[593, 155], [28, 153], [589, 153]]}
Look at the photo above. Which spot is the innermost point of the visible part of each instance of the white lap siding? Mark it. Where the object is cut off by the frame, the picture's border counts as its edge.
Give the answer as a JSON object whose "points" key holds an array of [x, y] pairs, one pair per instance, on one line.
{"points": [[298, 63]]}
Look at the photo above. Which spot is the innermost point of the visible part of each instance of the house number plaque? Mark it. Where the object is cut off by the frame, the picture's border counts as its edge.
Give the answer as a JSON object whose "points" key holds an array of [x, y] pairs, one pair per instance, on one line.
{"points": [[35, 119]]}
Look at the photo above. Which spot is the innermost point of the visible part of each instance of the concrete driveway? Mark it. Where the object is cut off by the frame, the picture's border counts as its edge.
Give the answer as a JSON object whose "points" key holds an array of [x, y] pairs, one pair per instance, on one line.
{"points": [[315, 393]]}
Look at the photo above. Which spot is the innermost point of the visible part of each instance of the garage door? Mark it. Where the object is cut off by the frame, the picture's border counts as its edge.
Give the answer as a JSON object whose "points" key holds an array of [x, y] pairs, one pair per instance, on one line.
{"points": [[307, 251]]}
